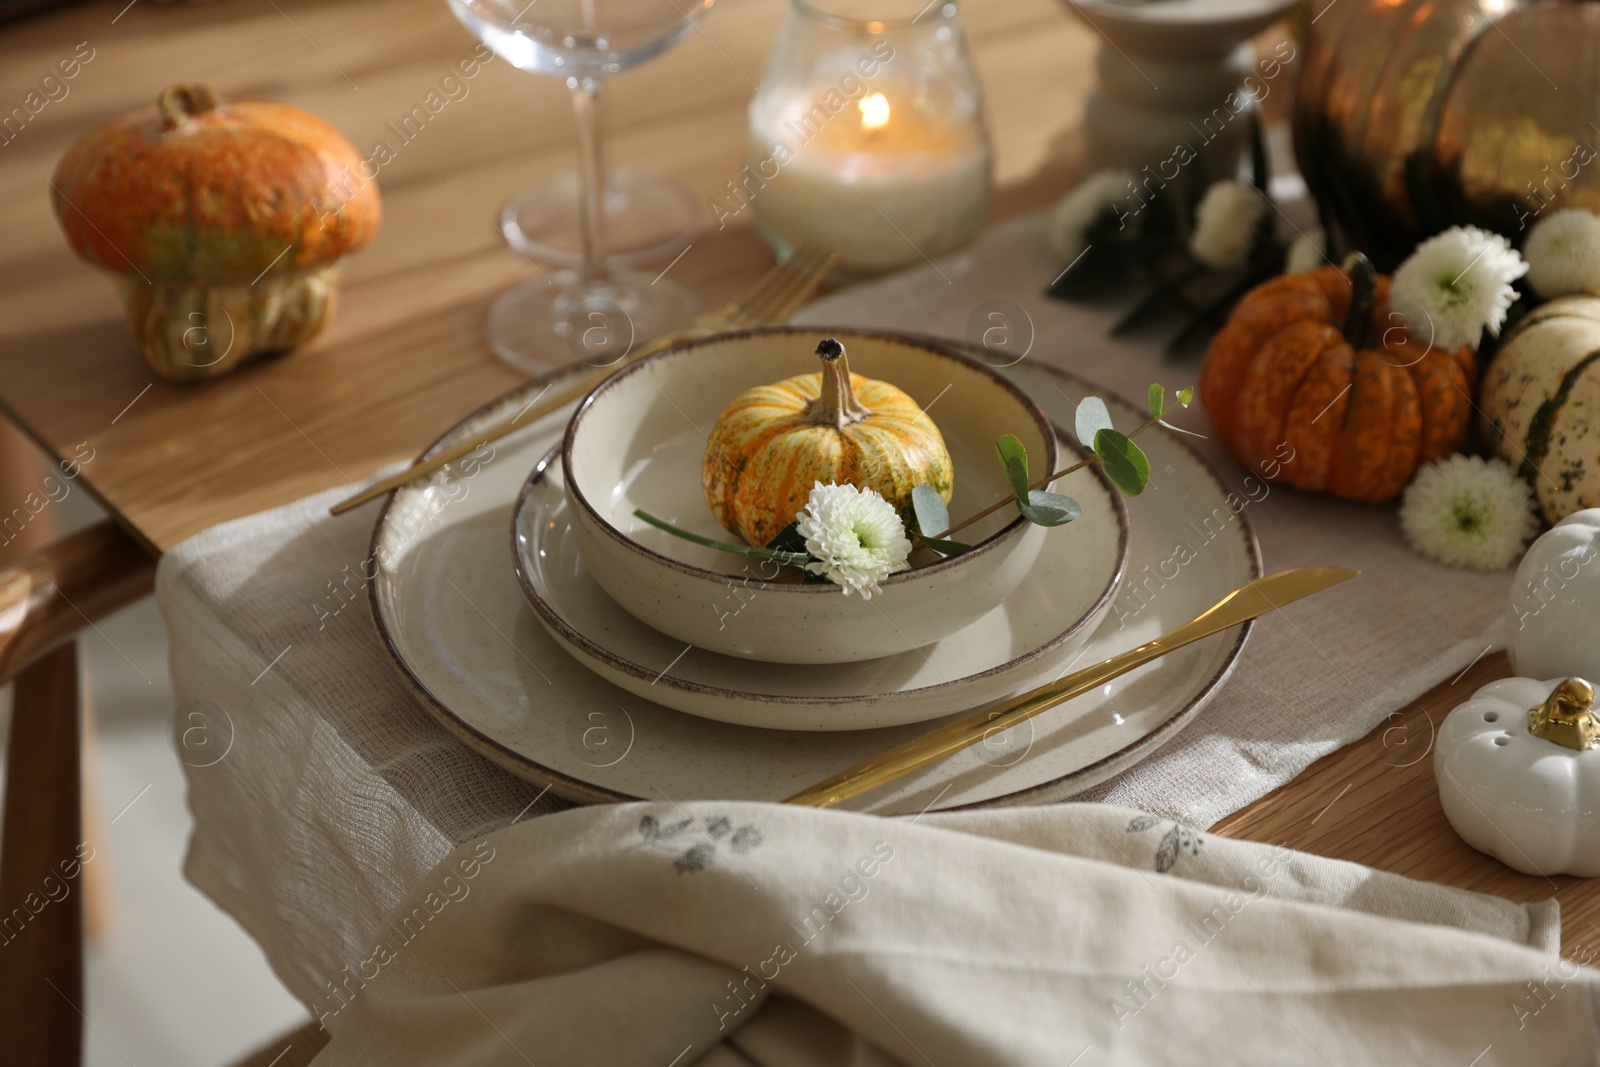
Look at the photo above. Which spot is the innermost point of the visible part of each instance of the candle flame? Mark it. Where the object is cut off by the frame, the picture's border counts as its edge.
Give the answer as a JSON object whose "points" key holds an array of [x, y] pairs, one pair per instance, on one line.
{"points": [[874, 111]]}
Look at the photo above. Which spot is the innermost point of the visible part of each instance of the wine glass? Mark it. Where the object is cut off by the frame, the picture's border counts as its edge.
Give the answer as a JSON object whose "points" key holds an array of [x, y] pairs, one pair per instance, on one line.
{"points": [[591, 310]]}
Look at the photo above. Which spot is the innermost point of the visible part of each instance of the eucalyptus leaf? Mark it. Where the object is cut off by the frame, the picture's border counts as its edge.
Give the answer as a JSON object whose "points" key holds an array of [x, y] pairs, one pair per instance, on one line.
{"points": [[1123, 461], [1157, 398], [946, 548], [933, 518], [1015, 460], [1090, 419], [1049, 509]]}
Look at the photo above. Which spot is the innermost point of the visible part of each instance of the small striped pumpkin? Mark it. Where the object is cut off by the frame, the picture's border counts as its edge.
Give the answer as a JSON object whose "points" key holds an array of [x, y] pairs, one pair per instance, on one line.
{"points": [[775, 441], [1541, 403]]}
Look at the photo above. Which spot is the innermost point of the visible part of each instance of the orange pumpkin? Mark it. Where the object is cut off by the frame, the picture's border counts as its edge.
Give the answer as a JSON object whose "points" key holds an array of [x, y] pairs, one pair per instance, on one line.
{"points": [[1314, 383], [774, 442], [220, 222]]}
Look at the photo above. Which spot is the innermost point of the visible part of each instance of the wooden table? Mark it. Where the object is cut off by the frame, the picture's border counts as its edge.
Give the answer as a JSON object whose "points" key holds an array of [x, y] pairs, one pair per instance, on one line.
{"points": [[404, 358]]}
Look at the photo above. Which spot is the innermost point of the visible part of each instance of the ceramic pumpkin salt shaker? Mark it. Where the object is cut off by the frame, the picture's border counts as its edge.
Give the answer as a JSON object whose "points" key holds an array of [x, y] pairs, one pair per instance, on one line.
{"points": [[774, 442], [1519, 774], [221, 224], [1312, 380]]}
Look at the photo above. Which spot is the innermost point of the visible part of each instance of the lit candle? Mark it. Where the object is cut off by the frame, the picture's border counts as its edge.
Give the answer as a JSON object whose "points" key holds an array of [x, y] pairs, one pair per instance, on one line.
{"points": [[886, 183]]}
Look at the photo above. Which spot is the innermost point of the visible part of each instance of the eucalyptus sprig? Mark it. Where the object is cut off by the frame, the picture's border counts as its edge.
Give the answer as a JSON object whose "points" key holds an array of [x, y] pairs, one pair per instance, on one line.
{"points": [[781, 554], [1123, 461]]}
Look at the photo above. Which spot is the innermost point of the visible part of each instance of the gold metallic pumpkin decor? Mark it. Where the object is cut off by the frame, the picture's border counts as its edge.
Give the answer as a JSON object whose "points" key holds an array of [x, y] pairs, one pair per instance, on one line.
{"points": [[1416, 115]]}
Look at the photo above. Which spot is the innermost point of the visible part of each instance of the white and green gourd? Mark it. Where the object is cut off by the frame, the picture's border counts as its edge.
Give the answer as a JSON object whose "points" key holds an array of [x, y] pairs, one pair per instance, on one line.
{"points": [[1541, 403]]}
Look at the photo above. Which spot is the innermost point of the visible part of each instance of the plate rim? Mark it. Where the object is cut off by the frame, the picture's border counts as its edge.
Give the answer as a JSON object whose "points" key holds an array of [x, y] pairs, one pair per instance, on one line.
{"points": [[583, 792]]}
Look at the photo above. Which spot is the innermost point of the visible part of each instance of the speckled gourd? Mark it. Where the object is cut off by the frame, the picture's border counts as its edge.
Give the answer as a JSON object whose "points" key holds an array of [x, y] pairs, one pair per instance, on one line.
{"points": [[1541, 403], [1312, 382], [221, 224], [774, 442]]}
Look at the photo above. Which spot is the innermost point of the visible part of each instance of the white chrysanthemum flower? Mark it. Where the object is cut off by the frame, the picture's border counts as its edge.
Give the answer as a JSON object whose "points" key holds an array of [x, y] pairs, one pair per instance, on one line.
{"points": [[1455, 284], [1465, 512], [1067, 232], [1563, 253], [855, 536], [1225, 224], [1308, 252]]}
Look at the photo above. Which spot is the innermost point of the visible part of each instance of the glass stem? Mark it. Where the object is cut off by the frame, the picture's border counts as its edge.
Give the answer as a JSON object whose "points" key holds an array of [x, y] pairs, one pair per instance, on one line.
{"points": [[591, 174]]}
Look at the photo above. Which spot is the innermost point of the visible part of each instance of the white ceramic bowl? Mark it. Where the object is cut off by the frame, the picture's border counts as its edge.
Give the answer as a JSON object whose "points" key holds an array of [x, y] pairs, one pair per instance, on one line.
{"points": [[638, 442]]}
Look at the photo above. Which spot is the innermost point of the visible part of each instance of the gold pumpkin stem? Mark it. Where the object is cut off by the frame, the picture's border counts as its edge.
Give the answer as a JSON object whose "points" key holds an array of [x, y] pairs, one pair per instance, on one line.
{"points": [[837, 405], [178, 103], [1567, 718]]}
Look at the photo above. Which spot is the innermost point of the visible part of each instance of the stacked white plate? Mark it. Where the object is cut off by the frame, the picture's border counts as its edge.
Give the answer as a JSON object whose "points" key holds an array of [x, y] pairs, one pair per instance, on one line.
{"points": [[524, 657]]}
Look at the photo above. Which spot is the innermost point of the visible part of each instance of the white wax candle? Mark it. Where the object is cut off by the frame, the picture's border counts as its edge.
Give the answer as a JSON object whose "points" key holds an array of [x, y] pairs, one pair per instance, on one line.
{"points": [[876, 180]]}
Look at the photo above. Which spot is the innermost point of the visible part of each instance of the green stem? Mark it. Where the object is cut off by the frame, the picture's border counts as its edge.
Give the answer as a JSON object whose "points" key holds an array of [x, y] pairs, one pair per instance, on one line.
{"points": [[794, 559], [1045, 481]]}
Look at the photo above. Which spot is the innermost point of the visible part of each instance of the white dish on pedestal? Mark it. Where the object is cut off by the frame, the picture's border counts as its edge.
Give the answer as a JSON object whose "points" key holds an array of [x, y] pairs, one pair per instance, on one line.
{"points": [[1177, 77]]}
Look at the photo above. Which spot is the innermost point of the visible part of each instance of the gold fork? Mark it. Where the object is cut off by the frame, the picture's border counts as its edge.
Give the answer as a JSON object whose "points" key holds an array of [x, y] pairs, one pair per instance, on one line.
{"points": [[771, 301]]}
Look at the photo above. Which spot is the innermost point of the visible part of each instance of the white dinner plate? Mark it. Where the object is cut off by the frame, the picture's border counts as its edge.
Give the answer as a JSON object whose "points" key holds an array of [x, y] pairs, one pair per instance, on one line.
{"points": [[1020, 644], [455, 620]]}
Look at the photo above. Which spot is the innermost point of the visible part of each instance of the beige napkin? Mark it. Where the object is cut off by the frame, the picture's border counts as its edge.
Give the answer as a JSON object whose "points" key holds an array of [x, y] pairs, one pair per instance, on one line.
{"points": [[738, 934]]}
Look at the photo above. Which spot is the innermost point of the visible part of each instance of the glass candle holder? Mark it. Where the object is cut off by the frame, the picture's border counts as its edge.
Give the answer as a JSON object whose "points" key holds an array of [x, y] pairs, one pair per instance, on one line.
{"points": [[867, 135]]}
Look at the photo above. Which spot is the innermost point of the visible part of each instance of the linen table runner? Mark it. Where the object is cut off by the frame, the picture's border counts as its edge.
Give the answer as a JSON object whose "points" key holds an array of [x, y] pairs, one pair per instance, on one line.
{"points": [[339, 792]]}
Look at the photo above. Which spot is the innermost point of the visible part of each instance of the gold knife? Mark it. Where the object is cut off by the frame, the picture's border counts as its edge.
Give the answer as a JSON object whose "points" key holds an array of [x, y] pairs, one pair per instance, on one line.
{"points": [[1243, 604]]}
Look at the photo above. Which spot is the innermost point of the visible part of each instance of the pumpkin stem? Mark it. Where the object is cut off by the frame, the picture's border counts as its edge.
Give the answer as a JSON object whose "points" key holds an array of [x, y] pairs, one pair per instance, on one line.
{"points": [[179, 102], [837, 405], [1363, 293], [1567, 718]]}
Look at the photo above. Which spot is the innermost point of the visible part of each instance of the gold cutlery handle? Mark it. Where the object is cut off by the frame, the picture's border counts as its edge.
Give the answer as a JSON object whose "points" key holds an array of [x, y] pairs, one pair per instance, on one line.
{"points": [[1249, 601]]}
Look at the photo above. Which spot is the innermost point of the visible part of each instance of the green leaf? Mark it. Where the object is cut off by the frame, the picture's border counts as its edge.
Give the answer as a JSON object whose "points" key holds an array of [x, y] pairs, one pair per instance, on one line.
{"points": [[1090, 418], [1157, 398], [789, 539], [1185, 396], [1049, 509], [927, 506], [947, 548], [1123, 461], [1015, 460]]}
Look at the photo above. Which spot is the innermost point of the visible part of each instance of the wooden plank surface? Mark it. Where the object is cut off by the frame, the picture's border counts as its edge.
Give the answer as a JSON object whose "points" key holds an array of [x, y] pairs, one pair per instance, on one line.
{"points": [[1374, 802], [404, 358]]}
